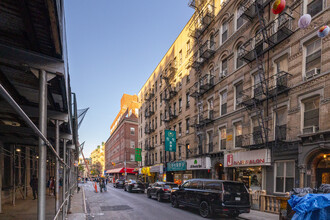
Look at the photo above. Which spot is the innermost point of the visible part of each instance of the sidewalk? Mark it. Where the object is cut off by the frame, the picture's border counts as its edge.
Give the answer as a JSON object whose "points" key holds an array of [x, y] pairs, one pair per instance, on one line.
{"points": [[77, 211], [257, 215], [27, 209]]}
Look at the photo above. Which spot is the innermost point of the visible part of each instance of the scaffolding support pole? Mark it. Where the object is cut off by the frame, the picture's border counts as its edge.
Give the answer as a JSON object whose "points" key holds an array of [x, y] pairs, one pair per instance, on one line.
{"points": [[14, 176], [64, 180], [1, 168], [57, 169], [27, 170], [42, 145], [69, 180]]}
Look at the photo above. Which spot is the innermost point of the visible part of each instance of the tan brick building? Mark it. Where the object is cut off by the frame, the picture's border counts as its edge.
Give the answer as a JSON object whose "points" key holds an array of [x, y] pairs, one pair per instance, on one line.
{"points": [[259, 96]]}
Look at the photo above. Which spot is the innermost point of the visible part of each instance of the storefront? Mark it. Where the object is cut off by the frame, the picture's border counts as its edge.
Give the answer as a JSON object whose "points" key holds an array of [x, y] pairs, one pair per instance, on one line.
{"points": [[119, 173], [157, 173], [178, 172], [200, 167], [248, 167]]}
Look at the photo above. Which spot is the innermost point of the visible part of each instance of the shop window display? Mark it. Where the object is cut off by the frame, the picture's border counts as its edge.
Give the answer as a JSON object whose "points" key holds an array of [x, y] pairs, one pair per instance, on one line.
{"points": [[250, 176]]}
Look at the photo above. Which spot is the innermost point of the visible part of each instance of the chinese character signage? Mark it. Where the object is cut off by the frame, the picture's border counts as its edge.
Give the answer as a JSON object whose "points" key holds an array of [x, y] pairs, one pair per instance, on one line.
{"points": [[170, 140], [138, 156], [176, 166]]}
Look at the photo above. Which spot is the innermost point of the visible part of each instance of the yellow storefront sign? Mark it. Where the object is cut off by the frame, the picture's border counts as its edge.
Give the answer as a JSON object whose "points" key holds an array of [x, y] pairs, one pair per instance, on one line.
{"points": [[229, 137]]}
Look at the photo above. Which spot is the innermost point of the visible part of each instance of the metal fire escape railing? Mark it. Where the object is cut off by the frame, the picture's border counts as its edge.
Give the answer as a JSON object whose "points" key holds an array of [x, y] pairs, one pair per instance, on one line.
{"points": [[205, 83], [257, 97], [203, 17], [204, 52]]}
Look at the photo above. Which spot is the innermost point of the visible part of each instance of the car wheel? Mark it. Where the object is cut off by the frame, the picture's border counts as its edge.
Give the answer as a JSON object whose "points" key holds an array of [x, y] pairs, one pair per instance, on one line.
{"points": [[174, 202], [129, 189], [204, 209], [159, 197], [148, 195], [125, 189]]}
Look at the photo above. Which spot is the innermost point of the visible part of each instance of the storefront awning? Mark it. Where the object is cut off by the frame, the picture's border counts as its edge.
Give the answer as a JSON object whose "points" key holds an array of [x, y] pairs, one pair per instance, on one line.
{"points": [[122, 170]]}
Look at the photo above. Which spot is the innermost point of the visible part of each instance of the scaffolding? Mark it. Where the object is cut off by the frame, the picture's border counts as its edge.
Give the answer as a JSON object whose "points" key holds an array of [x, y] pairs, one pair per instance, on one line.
{"points": [[257, 98]]}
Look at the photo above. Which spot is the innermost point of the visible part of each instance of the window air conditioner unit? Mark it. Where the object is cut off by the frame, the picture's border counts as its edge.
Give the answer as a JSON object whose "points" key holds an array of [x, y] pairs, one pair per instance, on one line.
{"points": [[311, 73], [223, 73], [187, 131], [179, 134], [239, 100], [310, 129]]}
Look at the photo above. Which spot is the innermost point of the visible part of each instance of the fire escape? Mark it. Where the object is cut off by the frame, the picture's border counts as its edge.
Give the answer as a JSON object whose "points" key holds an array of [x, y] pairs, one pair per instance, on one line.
{"points": [[205, 49], [169, 93], [267, 88], [148, 128]]}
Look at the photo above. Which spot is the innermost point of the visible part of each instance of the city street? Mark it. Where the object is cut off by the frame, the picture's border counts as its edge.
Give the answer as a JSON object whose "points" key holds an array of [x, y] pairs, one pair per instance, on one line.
{"points": [[118, 204]]}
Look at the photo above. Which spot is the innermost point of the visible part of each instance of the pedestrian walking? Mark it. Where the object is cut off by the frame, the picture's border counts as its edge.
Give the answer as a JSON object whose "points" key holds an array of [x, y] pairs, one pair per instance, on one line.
{"points": [[34, 186], [51, 186]]}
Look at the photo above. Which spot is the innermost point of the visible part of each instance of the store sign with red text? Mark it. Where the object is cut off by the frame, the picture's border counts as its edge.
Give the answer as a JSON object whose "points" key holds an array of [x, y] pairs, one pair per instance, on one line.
{"points": [[248, 158]]}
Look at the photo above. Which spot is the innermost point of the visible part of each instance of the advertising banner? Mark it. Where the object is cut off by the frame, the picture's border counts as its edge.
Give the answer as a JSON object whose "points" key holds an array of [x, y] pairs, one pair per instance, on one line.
{"points": [[170, 140], [248, 158]]}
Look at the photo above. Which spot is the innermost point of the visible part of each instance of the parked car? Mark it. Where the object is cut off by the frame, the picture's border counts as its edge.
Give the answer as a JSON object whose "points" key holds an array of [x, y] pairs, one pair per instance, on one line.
{"points": [[212, 196], [134, 185], [119, 183], [161, 190]]}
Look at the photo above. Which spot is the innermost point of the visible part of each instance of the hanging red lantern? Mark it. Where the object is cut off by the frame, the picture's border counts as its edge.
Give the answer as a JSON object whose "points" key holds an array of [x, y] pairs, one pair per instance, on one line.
{"points": [[278, 6]]}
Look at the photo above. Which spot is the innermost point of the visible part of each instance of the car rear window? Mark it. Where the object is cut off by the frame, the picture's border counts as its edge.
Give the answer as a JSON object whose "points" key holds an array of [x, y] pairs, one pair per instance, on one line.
{"points": [[234, 187], [212, 185], [170, 186]]}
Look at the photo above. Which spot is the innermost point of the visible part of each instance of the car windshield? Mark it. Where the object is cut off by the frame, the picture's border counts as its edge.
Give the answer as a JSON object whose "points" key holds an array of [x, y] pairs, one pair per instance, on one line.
{"points": [[234, 187]]}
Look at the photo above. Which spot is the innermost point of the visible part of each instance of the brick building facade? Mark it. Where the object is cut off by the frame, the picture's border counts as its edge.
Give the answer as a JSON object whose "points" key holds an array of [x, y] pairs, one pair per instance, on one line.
{"points": [[247, 95]]}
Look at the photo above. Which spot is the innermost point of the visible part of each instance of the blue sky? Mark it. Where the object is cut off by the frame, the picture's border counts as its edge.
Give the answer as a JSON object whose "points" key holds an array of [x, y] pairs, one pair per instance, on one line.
{"points": [[113, 48]]}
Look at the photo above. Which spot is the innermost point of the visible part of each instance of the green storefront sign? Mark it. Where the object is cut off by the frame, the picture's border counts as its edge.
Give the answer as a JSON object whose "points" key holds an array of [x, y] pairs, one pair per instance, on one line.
{"points": [[170, 140], [138, 156], [176, 166]]}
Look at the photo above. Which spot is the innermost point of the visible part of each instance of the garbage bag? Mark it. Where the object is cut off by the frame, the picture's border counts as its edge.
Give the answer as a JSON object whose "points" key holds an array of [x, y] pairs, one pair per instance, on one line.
{"points": [[324, 188], [301, 191], [310, 207]]}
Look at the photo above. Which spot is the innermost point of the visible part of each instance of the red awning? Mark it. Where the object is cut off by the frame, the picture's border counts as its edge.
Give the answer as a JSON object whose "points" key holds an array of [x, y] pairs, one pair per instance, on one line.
{"points": [[121, 170]]}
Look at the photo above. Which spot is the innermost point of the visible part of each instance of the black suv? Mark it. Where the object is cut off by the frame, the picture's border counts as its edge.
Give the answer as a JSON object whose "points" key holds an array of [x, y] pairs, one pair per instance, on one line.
{"points": [[134, 185], [212, 196], [161, 190], [119, 183]]}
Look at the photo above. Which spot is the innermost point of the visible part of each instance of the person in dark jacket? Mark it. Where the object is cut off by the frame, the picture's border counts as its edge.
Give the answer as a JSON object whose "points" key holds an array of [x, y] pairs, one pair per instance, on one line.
{"points": [[34, 186]]}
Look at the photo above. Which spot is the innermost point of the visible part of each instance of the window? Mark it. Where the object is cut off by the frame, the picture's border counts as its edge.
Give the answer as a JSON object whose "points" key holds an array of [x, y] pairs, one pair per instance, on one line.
{"points": [[223, 137], [132, 131], [239, 17], [180, 128], [160, 82], [160, 99], [257, 132], [213, 186], [132, 144], [224, 68], [257, 88], [186, 185], [239, 51], [314, 7], [155, 104], [161, 118], [161, 156], [313, 58], [238, 94], [187, 150], [174, 108], [196, 185], [179, 151], [238, 134], [188, 46], [188, 79], [180, 104], [281, 64], [311, 114], [210, 141], [223, 103], [155, 122], [187, 126], [187, 100], [180, 57], [224, 31], [284, 173], [160, 137], [132, 157], [156, 86], [210, 108], [280, 128]]}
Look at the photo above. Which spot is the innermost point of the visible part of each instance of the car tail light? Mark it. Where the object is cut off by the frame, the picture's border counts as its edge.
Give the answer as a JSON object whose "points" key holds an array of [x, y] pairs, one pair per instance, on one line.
{"points": [[166, 190], [225, 210]]}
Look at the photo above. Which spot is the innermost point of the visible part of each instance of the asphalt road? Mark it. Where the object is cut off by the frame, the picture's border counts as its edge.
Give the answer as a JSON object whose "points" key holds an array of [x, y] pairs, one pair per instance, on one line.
{"points": [[118, 204]]}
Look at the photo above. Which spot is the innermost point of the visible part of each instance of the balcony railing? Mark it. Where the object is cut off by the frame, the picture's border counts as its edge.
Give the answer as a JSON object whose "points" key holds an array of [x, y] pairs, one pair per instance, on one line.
{"points": [[205, 84], [238, 141], [149, 95], [148, 130], [276, 31], [251, 7], [255, 95], [207, 49]]}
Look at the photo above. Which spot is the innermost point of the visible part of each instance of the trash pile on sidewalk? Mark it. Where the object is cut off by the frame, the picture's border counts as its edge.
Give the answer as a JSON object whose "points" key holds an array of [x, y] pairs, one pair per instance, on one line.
{"points": [[308, 203]]}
